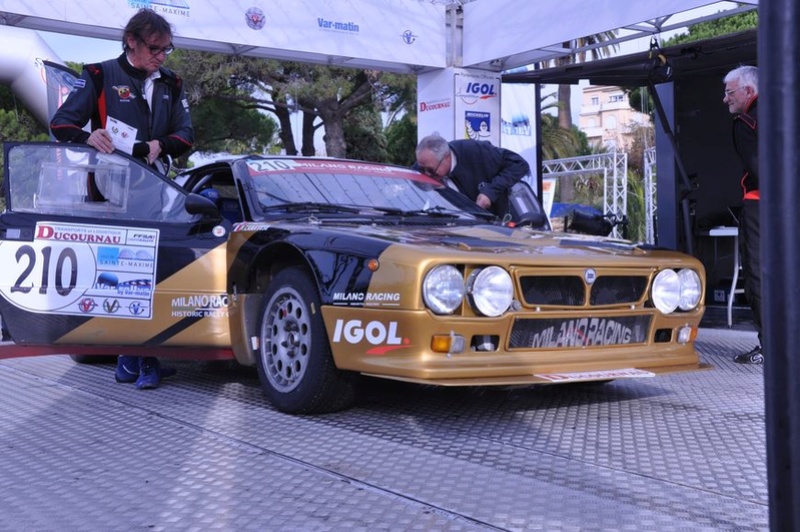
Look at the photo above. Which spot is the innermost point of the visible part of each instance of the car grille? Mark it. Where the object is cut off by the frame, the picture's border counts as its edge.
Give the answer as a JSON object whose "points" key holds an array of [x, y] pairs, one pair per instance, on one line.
{"points": [[558, 333], [573, 291]]}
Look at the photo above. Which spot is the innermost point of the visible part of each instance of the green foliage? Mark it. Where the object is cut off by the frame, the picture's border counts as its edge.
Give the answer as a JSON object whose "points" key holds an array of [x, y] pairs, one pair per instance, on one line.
{"points": [[558, 143], [582, 141], [16, 123], [323, 95], [636, 207], [222, 125], [715, 28], [225, 116], [639, 98], [19, 123], [643, 137], [401, 136], [77, 67], [364, 135]]}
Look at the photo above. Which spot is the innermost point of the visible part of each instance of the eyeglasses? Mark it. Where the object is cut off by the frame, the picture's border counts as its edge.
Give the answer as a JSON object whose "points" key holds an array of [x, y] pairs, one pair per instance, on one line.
{"points": [[155, 50], [728, 92], [432, 172]]}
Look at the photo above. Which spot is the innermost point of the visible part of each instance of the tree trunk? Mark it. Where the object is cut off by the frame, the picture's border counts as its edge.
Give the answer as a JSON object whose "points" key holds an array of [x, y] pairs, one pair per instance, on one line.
{"points": [[308, 134], [335, 145], [565, 92], [565, 183], [565, 107], [285, 134]]}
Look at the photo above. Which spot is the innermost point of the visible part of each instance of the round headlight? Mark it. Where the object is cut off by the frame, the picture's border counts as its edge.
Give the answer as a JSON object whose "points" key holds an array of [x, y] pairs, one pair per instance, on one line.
{"points": [[443, 289], [666, 291], [690, 289], [490, 290]]}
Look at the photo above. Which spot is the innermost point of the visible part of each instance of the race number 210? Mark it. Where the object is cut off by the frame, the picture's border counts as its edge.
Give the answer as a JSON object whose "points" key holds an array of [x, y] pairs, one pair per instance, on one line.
{"points": [[46, 276], [67, 261]]}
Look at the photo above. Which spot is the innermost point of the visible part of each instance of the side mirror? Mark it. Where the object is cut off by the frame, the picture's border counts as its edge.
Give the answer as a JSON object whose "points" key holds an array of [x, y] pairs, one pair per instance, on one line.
{"points": [[197, 204]]}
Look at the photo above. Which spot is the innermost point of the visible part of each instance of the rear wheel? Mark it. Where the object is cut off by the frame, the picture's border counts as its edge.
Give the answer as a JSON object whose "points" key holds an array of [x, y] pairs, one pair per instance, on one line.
{"points": [[295, 364]]}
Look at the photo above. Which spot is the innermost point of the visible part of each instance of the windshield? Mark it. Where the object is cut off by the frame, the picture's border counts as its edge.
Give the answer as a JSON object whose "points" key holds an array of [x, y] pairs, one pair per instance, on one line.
{"points": [[353, 187]]}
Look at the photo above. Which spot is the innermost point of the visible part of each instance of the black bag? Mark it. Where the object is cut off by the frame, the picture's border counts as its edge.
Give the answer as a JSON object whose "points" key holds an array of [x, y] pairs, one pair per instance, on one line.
{"points": [[590, 224]]}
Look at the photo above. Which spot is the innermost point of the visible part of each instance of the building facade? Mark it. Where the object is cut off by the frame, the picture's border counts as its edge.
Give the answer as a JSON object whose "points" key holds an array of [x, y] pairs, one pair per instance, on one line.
{"points": [[607, 118]]}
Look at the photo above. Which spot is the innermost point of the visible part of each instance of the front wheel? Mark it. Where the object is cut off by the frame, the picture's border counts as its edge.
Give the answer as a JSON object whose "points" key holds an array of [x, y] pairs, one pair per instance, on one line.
{"points": [[295, 365]]}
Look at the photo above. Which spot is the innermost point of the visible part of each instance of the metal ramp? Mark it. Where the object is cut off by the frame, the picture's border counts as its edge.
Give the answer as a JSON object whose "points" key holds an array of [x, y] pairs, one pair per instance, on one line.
{"points": [[206, 452]]}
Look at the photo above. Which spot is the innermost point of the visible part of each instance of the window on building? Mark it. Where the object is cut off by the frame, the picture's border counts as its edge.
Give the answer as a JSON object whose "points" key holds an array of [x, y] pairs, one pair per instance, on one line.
{"points": [[616, 98], [595, 100]]}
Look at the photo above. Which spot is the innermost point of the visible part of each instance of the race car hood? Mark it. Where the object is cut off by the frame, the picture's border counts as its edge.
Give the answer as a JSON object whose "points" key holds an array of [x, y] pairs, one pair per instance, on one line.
{"points": [[507, 243]]}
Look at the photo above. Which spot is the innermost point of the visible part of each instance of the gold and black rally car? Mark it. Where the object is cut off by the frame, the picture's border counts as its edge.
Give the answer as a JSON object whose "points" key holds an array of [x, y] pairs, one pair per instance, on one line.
{"points": [[317, 271]]}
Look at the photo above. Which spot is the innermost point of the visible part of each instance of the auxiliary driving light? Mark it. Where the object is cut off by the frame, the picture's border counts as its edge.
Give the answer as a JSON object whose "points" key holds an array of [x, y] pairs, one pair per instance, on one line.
{"points": [[448, 343], [686, 334]]}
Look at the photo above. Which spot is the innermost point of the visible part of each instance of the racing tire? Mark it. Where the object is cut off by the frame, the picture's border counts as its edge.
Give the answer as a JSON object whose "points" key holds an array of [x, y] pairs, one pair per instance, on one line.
{"points": [[295, 365]]}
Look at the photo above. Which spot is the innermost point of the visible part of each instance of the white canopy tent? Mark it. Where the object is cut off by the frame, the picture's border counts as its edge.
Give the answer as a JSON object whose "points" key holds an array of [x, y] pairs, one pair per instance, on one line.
{"points": [[392, 35], [456, 47]]}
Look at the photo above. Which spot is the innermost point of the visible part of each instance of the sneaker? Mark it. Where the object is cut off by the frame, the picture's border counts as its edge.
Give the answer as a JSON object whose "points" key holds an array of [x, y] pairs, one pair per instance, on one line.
{"points": [[754, 356], [127, 369], [151, 373]]}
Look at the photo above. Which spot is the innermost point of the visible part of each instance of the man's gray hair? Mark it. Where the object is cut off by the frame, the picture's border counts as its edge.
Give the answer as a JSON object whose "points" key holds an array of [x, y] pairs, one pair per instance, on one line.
{"points": [[435, 144], [747, 76]]}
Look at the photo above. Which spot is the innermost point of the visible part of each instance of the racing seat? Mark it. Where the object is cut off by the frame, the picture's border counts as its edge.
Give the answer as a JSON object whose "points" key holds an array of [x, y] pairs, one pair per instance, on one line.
{"points": [[228, 207]]}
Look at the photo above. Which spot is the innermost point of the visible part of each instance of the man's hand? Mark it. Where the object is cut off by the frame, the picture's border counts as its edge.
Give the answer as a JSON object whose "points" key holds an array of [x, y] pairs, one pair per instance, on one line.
{"points": [[483, 201], [155, 151], [100, 139]]}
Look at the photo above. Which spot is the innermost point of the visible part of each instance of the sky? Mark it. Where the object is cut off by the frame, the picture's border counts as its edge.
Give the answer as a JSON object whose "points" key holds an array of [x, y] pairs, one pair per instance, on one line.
{"points": [[81, 49]]}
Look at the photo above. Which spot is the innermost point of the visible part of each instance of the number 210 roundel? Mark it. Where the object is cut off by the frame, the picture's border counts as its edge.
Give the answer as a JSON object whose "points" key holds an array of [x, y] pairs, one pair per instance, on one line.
{"points": [[68, 266]]}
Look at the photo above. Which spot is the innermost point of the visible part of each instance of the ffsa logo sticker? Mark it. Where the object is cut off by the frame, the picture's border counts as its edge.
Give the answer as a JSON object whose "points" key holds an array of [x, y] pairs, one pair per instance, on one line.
{"points": [[383, 336]]}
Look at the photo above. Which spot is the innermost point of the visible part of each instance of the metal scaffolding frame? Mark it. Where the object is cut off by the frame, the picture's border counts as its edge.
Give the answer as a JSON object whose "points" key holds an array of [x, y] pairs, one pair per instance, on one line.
{"points": [[614, 168], [650, 195]]}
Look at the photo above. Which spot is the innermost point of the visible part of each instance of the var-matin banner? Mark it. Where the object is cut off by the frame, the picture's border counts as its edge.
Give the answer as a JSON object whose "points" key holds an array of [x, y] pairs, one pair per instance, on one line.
{"points": [[384, 31]]}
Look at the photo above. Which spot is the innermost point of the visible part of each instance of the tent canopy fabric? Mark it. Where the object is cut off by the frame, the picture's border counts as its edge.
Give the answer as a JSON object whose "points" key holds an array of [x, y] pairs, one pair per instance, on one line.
{"points": [[409, 36]]}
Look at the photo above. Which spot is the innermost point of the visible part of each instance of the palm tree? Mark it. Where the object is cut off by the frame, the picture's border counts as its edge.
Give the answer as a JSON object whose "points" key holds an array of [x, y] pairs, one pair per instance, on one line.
{"points": [[557, 143], [584, 46]]}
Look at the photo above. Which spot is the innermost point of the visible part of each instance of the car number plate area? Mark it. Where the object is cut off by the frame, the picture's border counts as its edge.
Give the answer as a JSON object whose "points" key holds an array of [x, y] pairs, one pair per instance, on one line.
{"points": [[565, 333], [628, 373]]}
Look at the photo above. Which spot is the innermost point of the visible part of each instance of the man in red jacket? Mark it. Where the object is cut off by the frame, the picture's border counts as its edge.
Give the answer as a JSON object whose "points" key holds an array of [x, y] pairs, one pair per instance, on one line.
{"points": [[741, 97]]}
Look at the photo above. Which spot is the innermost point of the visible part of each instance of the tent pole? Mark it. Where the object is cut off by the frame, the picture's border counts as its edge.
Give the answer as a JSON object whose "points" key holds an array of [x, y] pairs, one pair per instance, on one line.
{"points": [[687, 184], [779, 159]]}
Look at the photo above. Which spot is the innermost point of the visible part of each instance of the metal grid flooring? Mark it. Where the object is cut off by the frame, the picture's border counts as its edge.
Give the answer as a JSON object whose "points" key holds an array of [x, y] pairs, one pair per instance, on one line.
{"points": [[206, 452]]}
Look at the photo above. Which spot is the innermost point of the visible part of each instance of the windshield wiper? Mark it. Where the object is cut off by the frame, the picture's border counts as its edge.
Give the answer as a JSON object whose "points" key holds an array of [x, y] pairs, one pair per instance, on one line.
{"points": [[310, 206], [444, 212]]}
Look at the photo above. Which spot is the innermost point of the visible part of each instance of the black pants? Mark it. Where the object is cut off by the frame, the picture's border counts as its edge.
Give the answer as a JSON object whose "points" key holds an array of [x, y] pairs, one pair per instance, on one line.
{"points": [[750, 251]]}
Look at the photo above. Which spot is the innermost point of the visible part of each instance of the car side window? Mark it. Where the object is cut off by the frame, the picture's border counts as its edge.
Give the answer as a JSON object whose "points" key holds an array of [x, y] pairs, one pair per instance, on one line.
{"points": [[70, 180]]}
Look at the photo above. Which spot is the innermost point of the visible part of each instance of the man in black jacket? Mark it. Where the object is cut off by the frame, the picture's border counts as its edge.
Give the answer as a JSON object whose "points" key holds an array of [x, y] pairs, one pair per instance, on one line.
{"points": [[477, 168], [741, 97], [135, 89]]}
